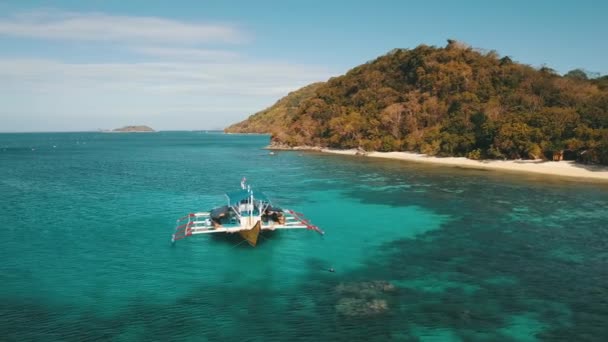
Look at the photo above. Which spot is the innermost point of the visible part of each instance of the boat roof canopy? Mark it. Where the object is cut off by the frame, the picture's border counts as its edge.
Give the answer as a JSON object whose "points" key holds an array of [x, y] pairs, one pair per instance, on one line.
{"points": [[235, 197]]}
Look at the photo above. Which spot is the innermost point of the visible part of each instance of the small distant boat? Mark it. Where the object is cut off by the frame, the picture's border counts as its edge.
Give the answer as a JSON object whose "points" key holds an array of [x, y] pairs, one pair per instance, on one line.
{"points": [[245, 214]]}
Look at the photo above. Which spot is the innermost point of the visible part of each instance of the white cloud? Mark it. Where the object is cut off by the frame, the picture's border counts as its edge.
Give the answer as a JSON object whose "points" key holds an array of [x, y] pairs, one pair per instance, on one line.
{"points": [[188, 54], [54, 95], [174, 82], [234, 78], [98, 27]]}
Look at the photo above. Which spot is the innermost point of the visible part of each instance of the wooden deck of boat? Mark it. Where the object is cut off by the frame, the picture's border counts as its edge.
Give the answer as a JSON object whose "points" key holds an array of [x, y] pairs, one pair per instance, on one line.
{"points": [[208, 230]]}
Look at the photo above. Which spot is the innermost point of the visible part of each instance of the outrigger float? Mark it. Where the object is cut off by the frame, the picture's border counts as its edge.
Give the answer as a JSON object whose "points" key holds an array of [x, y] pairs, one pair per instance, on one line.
{"points": [[244, 214]]}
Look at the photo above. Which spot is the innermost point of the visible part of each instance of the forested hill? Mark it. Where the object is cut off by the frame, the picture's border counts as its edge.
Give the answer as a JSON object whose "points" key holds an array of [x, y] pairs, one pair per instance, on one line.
{"points": [[451, 101]]}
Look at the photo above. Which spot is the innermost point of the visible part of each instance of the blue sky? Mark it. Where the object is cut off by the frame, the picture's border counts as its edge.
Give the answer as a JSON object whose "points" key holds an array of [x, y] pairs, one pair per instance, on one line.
{"points": [[84, 65]]}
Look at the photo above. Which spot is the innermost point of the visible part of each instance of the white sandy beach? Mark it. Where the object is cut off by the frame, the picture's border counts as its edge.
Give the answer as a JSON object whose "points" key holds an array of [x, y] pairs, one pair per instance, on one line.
{"points": [[560, 168]]}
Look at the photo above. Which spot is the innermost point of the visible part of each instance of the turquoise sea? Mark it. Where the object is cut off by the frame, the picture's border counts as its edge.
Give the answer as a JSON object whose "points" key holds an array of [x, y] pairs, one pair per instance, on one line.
{"points": [[420, 252]]}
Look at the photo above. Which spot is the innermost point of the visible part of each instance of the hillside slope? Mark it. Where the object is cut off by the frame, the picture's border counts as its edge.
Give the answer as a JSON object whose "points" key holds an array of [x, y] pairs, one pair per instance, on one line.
{"points": [[274, 118]]}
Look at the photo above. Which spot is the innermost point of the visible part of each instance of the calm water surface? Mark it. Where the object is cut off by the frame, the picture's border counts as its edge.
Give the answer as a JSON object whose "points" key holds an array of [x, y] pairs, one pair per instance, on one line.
{"points": [[420, 252]]}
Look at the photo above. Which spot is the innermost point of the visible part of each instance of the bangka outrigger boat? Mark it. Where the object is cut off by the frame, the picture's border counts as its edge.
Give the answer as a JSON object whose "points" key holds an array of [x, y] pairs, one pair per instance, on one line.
{"points": [[244, 214]]}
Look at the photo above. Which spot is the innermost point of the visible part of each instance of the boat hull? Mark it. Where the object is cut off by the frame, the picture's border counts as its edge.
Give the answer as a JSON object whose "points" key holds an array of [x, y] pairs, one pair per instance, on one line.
{"points": [[252, 235]]}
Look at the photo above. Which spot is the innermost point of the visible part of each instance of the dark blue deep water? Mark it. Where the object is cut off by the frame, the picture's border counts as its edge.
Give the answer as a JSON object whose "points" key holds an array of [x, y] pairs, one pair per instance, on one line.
{"points": [[420, 252]]}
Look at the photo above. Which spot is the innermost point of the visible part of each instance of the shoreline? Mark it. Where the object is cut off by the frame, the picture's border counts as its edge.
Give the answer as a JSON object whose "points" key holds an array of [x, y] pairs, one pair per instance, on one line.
{"points": [[568, 169]]}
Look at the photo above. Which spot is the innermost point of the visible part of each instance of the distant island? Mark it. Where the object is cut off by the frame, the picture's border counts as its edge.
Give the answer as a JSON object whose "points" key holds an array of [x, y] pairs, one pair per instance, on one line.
{"points": [[141, 128], [452, 101]]}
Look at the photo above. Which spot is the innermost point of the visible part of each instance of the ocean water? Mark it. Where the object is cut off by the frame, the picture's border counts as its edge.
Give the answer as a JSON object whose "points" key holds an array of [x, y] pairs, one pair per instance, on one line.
{"points": [[420, 252]]}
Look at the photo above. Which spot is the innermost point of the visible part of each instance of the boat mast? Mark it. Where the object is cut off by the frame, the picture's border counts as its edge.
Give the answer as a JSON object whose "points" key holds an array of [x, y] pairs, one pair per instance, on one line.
{"points": [[250, 204]]}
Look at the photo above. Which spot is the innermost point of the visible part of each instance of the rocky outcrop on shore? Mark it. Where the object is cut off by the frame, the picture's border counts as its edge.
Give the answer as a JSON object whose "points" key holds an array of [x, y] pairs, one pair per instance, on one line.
{"points": [[285, 147]]}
